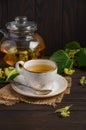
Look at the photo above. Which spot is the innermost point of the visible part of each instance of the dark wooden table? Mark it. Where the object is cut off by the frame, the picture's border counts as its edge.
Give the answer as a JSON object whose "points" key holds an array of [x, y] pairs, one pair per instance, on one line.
{"points": [[41, 117]]}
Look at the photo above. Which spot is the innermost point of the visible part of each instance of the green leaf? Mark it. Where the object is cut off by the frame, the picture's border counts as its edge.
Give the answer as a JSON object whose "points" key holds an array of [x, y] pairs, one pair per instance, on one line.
{"points": [[7, 73], [62, 59], [12, 74], [81, 57], [72, 45]]}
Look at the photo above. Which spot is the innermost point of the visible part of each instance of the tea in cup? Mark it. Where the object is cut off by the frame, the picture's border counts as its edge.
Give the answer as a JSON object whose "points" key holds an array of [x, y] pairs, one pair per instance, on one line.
{"points": [[38, 72]]}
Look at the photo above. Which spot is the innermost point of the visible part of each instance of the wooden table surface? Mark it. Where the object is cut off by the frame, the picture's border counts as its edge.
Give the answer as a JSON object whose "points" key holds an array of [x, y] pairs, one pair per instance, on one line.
{"points": [[23, 116]]}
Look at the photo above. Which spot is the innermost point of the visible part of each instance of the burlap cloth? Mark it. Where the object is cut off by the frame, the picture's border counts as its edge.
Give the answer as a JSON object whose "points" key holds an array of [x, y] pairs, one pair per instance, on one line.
{"points": [[9, 97]]}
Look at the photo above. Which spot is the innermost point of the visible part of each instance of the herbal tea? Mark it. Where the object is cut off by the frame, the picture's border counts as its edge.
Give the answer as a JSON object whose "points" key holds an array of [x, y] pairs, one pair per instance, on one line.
{"points": [[40, 68], [38, 73]]}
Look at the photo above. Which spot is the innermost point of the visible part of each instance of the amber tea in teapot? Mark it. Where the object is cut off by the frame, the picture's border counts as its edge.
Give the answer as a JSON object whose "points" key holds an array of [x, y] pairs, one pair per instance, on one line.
{"points": [[21, 42]]}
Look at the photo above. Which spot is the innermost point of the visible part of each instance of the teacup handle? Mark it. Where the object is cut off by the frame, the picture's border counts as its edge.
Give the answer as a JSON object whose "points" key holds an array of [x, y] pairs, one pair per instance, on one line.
{"points": [[17, 66]]}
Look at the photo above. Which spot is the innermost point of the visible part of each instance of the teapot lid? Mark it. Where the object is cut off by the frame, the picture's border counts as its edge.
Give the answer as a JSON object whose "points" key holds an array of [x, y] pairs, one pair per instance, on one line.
{"points": [[21, 24]]}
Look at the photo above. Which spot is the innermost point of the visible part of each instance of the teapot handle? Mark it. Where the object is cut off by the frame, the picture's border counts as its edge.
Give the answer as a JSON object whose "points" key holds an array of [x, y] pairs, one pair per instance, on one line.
{"points": [[17, 66], [2, 31]]}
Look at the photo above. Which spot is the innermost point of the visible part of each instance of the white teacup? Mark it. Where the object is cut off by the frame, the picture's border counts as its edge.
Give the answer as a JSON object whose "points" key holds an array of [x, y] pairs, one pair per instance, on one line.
{"points": [[38, 72]]}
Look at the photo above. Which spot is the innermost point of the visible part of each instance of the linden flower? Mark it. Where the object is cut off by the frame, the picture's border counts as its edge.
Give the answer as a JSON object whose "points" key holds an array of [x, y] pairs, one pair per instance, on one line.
{"points": [[69, 71], [83, 80], [64, 112]]}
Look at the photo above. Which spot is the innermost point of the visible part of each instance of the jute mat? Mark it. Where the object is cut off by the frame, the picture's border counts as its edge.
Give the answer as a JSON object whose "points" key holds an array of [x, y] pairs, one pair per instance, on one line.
{"points": [[9, 97]]}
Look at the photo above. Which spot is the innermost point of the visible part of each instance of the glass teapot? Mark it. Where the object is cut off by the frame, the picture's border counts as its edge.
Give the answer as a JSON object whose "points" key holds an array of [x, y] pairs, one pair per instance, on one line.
{"points": [[20, 42]]}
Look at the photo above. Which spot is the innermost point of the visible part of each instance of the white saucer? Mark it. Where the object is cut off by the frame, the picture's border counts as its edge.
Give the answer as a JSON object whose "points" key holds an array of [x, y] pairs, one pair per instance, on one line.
{"points": [[57, 87]]}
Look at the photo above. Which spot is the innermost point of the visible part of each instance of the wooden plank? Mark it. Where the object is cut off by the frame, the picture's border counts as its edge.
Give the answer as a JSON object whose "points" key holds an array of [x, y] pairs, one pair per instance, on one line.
{"points": [[21, 8], [81, 22], [49, 19], [74, 21], [3, 13], [23, 120], [69, 20], [0, 13]]}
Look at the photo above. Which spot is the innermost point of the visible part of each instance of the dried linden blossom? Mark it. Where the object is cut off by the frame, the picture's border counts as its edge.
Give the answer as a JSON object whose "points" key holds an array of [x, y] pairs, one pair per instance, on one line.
{"points": [[83, 80], [69, 71], [7, 73], [64, 112]]}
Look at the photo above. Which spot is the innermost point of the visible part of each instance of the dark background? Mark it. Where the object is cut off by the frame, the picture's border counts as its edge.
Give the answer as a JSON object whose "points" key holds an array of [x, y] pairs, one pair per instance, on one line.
{"points": [[59, 21]]}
